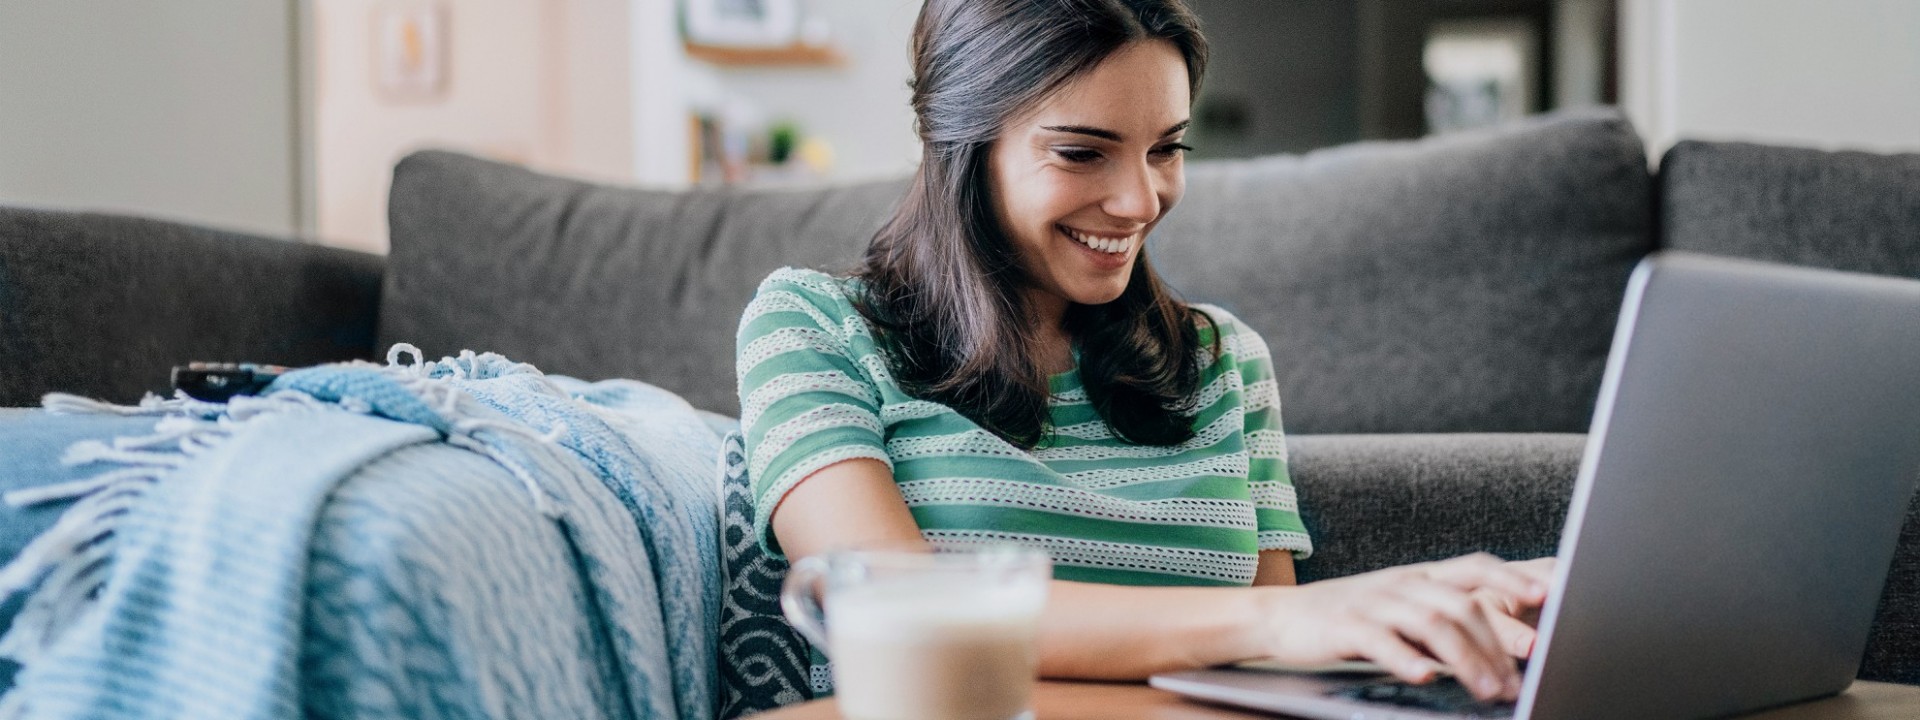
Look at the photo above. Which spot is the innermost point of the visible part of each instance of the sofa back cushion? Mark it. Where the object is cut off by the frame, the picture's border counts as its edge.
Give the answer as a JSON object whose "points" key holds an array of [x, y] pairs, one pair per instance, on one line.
{"points": [[1847, 210], [1462, 283], [1853, 211], [597, 281], [1465, 282]]}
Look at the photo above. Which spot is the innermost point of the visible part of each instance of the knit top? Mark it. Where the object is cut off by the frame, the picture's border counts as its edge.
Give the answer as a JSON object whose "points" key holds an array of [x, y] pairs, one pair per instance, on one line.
{"points": [[816, 390]]}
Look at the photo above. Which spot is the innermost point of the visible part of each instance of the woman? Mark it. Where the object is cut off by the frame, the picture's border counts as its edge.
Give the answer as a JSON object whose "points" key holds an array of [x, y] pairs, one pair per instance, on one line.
{"points": [[1006, 366]]}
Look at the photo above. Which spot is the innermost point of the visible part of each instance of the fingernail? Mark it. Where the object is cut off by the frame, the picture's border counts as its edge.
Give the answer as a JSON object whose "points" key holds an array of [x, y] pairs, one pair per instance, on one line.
{"points": [[1420, 668]]}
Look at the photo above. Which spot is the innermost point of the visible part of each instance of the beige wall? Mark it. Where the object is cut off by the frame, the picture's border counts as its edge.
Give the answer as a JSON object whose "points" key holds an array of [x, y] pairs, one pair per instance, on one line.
{"points": [[178, 110], [542, 82]]}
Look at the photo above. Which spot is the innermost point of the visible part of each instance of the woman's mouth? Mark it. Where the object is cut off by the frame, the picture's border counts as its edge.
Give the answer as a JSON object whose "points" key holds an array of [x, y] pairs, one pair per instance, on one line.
{"points": [[1101, 243]]}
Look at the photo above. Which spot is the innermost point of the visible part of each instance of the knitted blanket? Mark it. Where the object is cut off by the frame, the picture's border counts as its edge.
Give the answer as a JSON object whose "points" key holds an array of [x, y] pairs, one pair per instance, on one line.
{"points": [[465, 538]]}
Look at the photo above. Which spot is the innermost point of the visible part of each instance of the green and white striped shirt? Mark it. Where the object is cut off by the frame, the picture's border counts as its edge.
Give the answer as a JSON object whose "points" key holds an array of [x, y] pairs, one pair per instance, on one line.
{"points": [[815, 390]]}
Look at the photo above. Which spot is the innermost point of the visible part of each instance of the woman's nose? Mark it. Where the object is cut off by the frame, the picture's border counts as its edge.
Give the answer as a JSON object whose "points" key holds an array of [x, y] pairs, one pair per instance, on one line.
{"points": [[1135, 195]]}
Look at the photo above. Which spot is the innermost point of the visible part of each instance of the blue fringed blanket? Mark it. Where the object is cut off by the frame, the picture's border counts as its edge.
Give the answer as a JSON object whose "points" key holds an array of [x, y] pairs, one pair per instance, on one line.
{"points": [[264, 558]]}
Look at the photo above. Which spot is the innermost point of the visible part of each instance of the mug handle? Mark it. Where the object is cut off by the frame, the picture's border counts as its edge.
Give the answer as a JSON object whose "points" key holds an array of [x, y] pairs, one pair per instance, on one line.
{"points": [[800, 600]]}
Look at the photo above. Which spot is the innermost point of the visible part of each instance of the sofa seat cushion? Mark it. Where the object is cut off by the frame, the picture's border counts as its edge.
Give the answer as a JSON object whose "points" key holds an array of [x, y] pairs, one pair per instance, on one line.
{"points": [[1463, 283]]}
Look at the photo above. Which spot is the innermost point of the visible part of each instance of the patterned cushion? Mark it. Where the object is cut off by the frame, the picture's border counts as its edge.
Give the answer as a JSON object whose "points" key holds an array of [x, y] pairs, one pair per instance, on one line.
{"points": [[764, 664]]}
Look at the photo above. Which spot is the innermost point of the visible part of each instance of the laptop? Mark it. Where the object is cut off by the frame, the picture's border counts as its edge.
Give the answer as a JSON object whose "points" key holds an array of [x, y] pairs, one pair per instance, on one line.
{"points": [[1751, 459]]}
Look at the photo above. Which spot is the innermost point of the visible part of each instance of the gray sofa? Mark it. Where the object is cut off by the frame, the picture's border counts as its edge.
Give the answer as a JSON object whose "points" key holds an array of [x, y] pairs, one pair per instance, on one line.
{"points": [[1439, 311]]}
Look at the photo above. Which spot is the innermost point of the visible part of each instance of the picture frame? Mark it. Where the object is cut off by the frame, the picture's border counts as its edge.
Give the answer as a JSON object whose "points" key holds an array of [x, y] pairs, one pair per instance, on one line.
{"points": [[410, 50], [741, 23]]}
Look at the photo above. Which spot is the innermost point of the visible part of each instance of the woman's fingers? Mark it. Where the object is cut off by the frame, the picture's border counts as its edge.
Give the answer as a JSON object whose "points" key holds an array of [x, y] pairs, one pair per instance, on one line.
{"points": [[1526, 581], [1538, 570], [1464, 611], [1516, 636], [1470, 613], [1387, 649], [1453, 629]]}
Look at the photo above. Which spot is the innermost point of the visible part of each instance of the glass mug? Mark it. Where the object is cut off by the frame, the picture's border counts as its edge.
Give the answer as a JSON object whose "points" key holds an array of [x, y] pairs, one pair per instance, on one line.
{"points": [[947, 635]]}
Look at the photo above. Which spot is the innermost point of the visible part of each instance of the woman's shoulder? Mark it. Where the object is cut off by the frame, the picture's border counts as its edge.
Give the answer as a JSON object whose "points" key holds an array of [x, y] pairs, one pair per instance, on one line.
{"points": [[1214, 321], [812, 291], [806, 282], [1236, 338], [802, 300]]}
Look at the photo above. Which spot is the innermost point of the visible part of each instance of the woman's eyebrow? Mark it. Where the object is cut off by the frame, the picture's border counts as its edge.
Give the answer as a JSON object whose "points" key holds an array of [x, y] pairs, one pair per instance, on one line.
{"points": [[1109, 135]]}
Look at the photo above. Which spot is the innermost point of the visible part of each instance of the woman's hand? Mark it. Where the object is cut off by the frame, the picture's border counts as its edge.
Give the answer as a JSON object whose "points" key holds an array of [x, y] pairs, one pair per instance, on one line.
{"points": [[1411, 620], [1515, 618]]}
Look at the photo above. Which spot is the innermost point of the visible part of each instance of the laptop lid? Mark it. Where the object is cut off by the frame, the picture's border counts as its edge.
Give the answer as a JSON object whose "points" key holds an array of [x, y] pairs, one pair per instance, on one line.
{"points": [[1752, 455]]}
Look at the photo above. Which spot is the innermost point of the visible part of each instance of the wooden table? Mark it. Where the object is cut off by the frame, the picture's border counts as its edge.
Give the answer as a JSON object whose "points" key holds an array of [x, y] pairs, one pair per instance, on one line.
{"points": [[1133, 701]]}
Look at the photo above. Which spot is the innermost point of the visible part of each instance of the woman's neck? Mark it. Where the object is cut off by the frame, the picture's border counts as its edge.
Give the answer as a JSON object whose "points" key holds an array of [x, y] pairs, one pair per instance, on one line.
{"points": [[1053, 347]]}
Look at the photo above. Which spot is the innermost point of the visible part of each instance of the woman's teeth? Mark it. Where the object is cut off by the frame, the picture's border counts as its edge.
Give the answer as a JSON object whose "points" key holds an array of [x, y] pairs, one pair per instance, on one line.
{"points": [[1105, 245]]}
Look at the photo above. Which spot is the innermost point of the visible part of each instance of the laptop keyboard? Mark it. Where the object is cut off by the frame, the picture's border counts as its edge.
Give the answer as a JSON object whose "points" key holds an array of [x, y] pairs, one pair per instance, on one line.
{"points": [[1444, 695]]}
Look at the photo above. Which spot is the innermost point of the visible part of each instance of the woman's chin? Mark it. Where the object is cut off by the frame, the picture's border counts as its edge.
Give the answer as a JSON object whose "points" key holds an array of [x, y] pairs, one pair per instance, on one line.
{"points": [[1099, 293]]}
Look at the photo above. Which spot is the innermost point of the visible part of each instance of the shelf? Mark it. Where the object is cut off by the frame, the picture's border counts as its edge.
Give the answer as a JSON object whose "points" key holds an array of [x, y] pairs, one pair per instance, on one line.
{"points": [[794, 56]]}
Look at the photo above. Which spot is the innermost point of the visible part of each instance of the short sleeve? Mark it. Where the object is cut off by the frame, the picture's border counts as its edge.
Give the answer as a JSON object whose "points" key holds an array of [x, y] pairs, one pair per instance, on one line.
{"points": [[806, 400], [1276, 508]]}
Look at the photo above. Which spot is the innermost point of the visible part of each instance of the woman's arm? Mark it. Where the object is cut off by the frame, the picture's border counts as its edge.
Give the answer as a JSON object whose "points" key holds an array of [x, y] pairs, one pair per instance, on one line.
{"points": [[1411, 620], [1276, 568]]}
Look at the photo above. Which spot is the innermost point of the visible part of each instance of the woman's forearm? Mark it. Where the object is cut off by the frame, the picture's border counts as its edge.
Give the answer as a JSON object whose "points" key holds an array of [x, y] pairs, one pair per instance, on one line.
{"points": [[1113, 632]]}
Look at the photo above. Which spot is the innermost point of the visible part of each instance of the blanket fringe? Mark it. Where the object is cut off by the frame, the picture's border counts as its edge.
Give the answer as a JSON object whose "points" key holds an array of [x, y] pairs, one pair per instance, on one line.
{"points": [[65, 567], [180, 403], [12, 707]]}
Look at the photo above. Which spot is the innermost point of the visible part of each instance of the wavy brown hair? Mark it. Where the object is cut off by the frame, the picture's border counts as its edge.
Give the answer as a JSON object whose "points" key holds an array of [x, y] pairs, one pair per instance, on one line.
{"points": [[942, 283]]}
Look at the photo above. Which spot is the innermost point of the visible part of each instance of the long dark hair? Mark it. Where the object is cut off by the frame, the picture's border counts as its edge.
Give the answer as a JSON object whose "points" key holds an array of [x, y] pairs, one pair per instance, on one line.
{"points": [[942, 281]]}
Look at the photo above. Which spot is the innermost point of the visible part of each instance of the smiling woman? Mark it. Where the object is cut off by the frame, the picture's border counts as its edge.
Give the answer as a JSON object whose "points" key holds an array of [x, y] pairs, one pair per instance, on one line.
{"points": [[1023, 238], [1007, 367]]}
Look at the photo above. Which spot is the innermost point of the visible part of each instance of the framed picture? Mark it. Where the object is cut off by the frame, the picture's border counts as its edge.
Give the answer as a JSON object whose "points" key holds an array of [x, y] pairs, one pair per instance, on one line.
{"points": [[741, 23], [410, 50], [1481, 72]]}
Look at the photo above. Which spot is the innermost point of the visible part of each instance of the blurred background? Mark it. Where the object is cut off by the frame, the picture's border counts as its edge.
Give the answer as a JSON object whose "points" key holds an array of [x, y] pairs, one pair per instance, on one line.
{"points": [[284, 117]]}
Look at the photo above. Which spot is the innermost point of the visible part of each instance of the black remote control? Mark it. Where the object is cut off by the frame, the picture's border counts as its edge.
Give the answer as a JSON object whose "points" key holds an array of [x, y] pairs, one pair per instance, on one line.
{"points": [[220, 382]]}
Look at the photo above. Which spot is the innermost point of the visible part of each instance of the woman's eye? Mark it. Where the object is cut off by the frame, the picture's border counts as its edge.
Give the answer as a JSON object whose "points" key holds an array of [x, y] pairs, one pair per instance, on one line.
{"points": [[1077, 155], [1171, 149]]}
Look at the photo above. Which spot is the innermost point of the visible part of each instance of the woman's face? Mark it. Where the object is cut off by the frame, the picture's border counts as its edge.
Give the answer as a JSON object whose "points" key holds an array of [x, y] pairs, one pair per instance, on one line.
{"points": [[1080, 180]]}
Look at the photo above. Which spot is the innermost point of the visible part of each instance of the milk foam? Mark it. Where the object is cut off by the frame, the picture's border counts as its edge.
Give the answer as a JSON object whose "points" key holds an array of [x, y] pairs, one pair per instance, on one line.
{"points": [[896, 609]]}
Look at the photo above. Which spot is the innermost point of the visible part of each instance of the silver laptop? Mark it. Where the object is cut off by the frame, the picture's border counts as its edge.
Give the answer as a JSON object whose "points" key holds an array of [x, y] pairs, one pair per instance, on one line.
{"points": [[1752, 455]]}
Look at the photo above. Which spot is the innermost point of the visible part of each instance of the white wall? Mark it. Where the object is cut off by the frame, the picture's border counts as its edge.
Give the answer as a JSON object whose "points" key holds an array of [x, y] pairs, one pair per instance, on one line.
{"points": [[539, 82], [179, 110], [662, 136], [1831, 74], [860, 109]]}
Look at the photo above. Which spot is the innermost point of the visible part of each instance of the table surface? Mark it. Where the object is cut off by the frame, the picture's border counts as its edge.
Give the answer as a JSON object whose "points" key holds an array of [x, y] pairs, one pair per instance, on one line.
{"points": [[1134, 701]]}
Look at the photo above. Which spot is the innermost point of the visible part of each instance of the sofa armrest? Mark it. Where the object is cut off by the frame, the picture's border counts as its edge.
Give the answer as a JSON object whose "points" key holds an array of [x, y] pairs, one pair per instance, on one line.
{"points": [[105, 306], [1376, 501]]}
